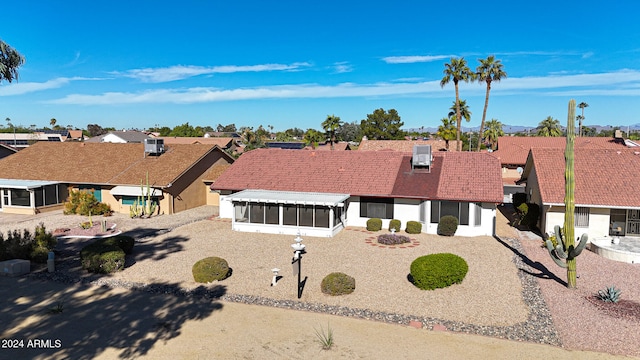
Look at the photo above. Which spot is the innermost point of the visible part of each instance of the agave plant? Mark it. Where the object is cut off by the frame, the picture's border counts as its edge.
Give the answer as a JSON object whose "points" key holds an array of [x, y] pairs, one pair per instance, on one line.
{"points": [[610, 294]]}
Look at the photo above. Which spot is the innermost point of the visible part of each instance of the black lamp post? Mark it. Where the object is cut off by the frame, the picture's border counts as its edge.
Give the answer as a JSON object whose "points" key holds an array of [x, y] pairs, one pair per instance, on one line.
{"points": [[298, 251]]}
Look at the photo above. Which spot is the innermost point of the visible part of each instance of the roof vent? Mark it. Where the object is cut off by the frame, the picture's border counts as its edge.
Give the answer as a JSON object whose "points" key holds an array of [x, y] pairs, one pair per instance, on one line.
{"points": [[421, 156], [153, 146]]}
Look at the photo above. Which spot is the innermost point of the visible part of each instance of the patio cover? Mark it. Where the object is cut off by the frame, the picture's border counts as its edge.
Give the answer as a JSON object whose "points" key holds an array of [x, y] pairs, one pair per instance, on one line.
{"points": [[24, 184], [134, 191], [290, 197]]}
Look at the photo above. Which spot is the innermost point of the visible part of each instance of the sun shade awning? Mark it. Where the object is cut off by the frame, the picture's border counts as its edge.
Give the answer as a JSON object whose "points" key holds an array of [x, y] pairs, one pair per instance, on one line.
{"points": [[24, 184], [134, 191], [289, 197]]}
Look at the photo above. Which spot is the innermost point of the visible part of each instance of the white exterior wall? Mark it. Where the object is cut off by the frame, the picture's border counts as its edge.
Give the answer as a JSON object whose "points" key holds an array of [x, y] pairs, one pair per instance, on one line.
{"points": [[111, 138], [599, 219], [487, 222]]}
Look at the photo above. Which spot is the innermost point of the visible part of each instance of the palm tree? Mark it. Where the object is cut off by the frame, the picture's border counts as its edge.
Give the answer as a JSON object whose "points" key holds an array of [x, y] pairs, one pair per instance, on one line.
{"points": [[53, 122], [549, 127], [493, 132], [488, 71], [10, 61], [582, 105], [330, 125], [464, 110], [447, 131], [456, 71]]}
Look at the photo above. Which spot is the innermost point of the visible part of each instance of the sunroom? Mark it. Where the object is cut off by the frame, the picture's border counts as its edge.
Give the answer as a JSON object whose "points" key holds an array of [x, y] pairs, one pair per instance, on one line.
{"points": [[30, 196], [286, 212]]}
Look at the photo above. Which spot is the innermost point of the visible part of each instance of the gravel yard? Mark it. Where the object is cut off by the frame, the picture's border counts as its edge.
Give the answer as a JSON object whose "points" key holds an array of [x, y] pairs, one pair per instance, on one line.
{"points": [[501, 295]]}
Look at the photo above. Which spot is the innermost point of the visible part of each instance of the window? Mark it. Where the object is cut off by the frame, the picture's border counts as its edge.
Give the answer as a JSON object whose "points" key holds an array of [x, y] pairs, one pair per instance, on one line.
{"points": [[337, 214], [306, 215], [376, 208], [477, 219], [241, 212], [256, 213], [459, 210], [321, 218], [581, 216], [20, 197], [39, 196], [272, 214], [50, 195], [423, 212], [290, 215]]}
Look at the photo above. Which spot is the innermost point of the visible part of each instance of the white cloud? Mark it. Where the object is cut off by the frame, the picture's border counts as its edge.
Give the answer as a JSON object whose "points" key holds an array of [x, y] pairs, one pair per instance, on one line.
{"points": [[342, 67], [20, 88], [414, 59], [179, 72]]}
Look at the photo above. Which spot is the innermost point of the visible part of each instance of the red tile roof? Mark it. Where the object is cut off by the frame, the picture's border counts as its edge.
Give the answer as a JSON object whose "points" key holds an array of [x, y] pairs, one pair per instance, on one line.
{"points": [[454, 176], [513, 150], [404, 145], [603, 177]]}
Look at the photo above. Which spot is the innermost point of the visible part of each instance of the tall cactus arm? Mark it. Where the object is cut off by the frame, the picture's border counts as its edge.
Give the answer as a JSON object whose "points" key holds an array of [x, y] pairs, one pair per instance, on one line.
{"points": [[560, 251], [581, 245], [554, 255]]}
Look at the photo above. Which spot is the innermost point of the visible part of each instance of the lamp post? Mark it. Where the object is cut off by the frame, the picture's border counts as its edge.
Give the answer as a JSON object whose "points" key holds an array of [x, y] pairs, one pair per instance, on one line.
{"points": [[298, 251]]}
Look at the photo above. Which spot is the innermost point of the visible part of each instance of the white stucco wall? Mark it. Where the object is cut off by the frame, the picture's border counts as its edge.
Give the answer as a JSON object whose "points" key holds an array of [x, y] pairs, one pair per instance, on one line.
{"points": [[111, 138], [486, 227], [598, 222]]}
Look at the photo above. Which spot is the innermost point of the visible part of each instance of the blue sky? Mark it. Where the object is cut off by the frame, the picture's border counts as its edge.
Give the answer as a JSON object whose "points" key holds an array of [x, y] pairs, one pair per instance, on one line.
{"points": [[138, 64]]}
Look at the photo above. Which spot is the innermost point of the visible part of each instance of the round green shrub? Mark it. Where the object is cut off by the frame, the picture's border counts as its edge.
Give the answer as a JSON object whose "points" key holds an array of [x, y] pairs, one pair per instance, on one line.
{"points": [[437, 271], [39, 254], [374, 224], [211, 269], [395, 224], [448, 225], [102, 257], [338, 283], [413, 227]]}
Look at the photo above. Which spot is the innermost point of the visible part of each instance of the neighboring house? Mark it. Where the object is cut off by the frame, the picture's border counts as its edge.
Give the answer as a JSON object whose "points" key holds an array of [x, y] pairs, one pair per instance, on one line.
{"points": [[40, 177], [225, 143], [318, 193], [23, 140], [6, 151], [289, 145], [120, 137], [607, 190], [513, 152], [337, 146], [405, 145]]}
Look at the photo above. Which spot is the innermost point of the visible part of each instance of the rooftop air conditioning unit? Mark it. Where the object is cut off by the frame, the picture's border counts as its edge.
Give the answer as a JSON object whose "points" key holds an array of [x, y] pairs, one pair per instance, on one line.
{"points": [[154, 146], [421, 156]]}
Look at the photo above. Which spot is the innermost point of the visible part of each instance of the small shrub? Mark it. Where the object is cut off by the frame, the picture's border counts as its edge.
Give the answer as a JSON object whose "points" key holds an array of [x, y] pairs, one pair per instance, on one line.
{"points": [[610, 294], [102, 257], [392, 239], [530, 218], [437, 271], [338, 283], [27, 246], [85, 203], [523, 209], [448, 225], [325, 337], [395, 224], [374, 224], [39, 255], [210, 269], [413, 227], [519, 198]]}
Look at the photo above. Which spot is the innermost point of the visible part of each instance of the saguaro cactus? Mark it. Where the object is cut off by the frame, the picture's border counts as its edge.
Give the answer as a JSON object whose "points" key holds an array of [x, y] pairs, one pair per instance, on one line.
{"points": [[565, 253]]}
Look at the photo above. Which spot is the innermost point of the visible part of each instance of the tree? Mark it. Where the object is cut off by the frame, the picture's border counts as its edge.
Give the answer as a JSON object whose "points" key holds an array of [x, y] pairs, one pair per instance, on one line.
{"points": [[312, 137], [382, 125], [330, 126], [447, 131], [226, 128], [456, 71], [95, 130], [10, 61], [349, 132], [464, 110], [489, 70], [53, 122], [251, 138], [582, 105], [186, 130], [549, 127], [493, 132]]}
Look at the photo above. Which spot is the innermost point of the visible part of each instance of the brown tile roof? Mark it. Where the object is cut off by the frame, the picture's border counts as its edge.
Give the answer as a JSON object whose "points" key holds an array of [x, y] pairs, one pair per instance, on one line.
{"points": [[454, 176], [214, 172], [404, 145], [603, 177], [101, 163], [513, 150], [223, 142]]}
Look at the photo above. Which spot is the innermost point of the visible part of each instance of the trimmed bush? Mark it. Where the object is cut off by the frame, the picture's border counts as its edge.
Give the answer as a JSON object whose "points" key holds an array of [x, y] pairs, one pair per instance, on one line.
{"points": [[338, 283], [85, 203], [211, 269], [437, 271], [395, 224], [392, 239], [374, 224], [27, 246], [519, 198], [413, 227], [102, 257], [448, 225], [124, 242]]}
